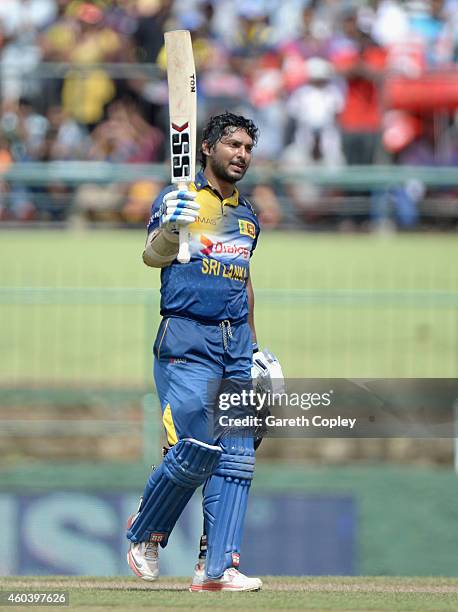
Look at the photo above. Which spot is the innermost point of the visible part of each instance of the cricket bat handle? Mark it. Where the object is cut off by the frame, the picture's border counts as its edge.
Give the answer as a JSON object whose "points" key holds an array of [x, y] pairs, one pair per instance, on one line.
{"points": [[183, 251]]}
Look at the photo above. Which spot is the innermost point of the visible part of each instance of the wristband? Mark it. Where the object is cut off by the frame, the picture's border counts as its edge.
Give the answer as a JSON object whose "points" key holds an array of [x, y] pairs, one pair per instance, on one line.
{"points": [[255, 347]]}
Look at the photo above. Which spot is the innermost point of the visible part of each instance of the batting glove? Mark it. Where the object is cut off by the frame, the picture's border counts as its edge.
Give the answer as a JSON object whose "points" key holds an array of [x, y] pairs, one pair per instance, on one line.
{"points": [[178, 209], [266, 372]]}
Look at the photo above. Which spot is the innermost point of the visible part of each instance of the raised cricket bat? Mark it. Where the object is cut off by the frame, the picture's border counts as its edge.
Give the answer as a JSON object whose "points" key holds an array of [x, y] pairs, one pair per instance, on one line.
{"points": [[181, 77]]}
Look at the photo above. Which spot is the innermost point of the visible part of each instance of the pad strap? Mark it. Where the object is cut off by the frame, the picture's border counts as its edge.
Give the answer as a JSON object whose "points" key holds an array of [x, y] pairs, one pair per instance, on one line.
{"points": [[235, 466]]}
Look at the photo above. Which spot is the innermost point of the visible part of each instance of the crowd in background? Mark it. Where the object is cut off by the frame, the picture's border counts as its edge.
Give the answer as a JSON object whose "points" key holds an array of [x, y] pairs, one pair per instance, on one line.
{"points": [[329, 83]]}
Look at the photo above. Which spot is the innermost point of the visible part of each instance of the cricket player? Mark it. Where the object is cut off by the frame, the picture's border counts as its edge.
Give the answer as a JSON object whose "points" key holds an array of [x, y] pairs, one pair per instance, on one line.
{"points": [[207, 333]]}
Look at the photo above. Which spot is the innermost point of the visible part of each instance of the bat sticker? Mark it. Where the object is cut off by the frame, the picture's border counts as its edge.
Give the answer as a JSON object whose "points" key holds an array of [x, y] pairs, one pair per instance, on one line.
{"points": [[181, 152]]}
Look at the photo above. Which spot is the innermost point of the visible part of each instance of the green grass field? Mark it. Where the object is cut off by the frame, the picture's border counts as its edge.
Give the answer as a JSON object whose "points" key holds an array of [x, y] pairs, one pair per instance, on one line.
{"points": [[328, 305], [281, 593]]}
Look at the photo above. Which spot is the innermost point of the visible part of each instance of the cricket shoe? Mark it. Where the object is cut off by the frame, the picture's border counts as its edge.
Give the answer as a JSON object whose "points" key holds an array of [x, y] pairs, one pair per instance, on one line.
{"points": [[231, 580], [143, 557]]}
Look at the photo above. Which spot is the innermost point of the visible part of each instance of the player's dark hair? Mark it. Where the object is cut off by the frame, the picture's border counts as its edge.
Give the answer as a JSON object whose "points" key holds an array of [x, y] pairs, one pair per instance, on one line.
{"points": [[222, 125]]}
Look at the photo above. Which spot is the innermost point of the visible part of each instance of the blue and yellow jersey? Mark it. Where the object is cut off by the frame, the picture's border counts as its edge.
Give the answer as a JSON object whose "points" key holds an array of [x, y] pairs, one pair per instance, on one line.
{"points": [[212, 286]]}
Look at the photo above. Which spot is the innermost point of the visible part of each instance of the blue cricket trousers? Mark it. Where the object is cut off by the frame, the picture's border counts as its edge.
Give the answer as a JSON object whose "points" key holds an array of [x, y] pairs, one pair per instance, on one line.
{"points": [[190, 358]]}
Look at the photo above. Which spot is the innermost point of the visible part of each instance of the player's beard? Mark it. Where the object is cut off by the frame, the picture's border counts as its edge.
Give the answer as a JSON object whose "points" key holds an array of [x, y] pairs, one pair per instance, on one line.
{"points": [[223, 173]]}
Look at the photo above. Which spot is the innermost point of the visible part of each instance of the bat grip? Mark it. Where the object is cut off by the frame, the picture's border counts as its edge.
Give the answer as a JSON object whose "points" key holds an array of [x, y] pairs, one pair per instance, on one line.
{"points": [[183, 251]]}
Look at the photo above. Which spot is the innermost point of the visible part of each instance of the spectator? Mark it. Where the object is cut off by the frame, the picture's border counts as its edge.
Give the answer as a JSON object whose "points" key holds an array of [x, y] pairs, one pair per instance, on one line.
{"points": [[314, 108], [25, 133], [360, 61], [5, 162], [124, 137], [71, 140], [388, 22], [86, 93], [252, 40], [137, 208], [20, 23], [83, 36], [152, 16], [314, 42], [33, 128], [434, 26]]}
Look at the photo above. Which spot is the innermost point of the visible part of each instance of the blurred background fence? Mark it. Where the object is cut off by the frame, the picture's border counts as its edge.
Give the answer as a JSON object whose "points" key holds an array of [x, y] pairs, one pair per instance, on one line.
{"points": [[68, 193], [108, 333]]}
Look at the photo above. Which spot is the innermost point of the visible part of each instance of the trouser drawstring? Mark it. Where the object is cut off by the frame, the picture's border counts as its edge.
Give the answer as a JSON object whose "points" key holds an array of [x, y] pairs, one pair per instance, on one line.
{"points": [[226, 331]]}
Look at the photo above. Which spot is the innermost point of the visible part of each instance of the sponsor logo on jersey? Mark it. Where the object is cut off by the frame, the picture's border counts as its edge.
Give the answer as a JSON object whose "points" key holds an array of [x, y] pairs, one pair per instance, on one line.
{"points": [[208, 245], [223, 248], [247, 228]]}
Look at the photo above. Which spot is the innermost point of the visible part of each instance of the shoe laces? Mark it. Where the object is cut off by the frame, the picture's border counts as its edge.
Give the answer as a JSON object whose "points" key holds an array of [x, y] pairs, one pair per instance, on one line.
{"points": [[151, 553]]}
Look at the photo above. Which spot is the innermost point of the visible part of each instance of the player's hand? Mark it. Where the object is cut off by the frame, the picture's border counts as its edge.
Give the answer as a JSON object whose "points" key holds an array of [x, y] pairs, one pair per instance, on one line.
{"points": [[266, 372], [178, 209]]}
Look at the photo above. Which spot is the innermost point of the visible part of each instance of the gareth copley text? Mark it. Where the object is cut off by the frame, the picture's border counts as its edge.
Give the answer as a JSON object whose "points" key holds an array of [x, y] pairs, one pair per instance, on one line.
{"points": [[300, 421]]}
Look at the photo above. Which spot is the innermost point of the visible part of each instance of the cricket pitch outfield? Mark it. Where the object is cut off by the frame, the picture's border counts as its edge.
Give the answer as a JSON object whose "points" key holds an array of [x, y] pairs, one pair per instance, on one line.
{"points": [[287, 593], [327, 305]]}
